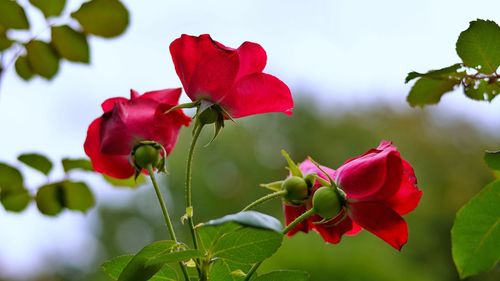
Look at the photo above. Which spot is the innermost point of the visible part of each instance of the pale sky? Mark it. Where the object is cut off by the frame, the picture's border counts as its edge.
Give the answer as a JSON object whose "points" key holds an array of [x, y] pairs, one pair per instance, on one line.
{"points": [[345, 53]]}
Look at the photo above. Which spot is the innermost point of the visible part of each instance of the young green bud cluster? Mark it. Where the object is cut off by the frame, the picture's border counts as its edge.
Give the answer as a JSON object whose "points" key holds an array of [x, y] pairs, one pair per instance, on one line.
{"points": [[147, 155], [297, 190]]}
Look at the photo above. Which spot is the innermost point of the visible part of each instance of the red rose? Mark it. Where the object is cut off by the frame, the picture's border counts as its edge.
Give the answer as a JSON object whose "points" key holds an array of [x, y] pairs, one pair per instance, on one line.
{"points": [[380, 187], [125, 123], [231, 78]]}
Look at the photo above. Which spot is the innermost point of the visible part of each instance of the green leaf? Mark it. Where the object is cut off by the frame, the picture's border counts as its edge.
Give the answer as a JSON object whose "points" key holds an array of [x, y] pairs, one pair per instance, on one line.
{"points": [[70, 44], [245, 237], [76, 164], [429, 91], [151, 259], [479, 46], [225, 270], [115, 266], [10, 179], [13, 195], [492, 159], [23, 68], [249, 218], [284, 275], [273, 186], [37, 162], [78, 196], [16, 200], [49, 8], [12, 15], [130, 182], [52, 198], [476, 231], [483, 90], [43, 59], [106, 18], [447, 73], [247, 245], [209, 234]]}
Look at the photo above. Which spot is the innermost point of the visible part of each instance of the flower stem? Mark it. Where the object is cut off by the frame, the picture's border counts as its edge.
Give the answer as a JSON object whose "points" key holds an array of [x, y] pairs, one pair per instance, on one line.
{"points": [[165, 215], [264, 199], [298, 220], [189, 203], [289, 227]]}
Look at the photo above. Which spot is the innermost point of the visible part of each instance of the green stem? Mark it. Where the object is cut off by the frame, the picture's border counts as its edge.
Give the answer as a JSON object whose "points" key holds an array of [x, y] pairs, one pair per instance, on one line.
{"points": [[164, 210], [189, 203], [261, 200], [298, 220], [252, 271], [289, 227]]}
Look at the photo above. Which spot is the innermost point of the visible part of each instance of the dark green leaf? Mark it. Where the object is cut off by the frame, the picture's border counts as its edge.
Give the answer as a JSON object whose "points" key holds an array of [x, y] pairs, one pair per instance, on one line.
{"points": [[70, 44], [5, 42], [52, 198], [483, 90], [130, 182], [151, 259], [23, 68], [479, 46], [12, 15], [106, 18], [225, 270], [76, 164], [247, 245], [16, 200], [37, 162], [49, 8], [43, 59], [116, 265], [249, 218], [447, 73], [428, 91], [492, 158], [476, 231], [284, 275]]}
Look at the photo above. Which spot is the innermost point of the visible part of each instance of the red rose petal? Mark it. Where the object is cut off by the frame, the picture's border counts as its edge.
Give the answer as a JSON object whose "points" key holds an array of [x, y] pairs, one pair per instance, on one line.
{"points": [[258, 93], [108, 104], [293, 212], [381, 221], [116, 166], [332, 231], [207, 69], [253, 59], [408, 195], [166, 96]]}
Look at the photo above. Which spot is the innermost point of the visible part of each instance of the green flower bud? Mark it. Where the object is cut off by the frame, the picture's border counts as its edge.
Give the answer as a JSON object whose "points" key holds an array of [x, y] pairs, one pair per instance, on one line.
{"points": [[146, 155], [326, 202], [296, 188]]}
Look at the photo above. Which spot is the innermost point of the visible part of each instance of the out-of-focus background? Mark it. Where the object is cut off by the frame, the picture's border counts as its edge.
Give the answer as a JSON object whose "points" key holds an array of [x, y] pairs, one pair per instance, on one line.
{"points": [[345, 62]]}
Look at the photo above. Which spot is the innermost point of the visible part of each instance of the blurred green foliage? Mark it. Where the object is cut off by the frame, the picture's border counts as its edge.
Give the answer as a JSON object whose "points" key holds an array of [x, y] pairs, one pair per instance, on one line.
{"points": [[446, 156]]}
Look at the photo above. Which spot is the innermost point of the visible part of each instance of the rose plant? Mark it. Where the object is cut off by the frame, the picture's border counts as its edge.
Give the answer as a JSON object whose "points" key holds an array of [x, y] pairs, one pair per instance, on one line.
{"points": [[135, 135]]}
